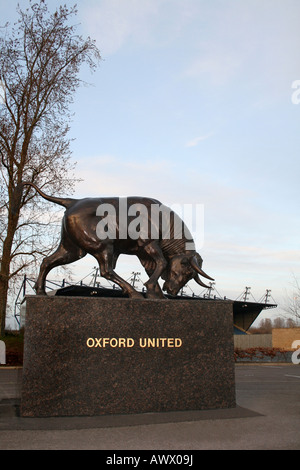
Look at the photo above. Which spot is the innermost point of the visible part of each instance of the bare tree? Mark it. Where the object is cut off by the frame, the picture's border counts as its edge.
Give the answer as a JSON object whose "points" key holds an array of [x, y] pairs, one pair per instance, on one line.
{"points": [[264, 327], [292, 303], [40, 60]]}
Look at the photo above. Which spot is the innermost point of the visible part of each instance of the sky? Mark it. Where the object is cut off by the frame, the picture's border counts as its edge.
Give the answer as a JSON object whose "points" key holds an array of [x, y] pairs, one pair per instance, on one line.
{"points": [[195, 102]]}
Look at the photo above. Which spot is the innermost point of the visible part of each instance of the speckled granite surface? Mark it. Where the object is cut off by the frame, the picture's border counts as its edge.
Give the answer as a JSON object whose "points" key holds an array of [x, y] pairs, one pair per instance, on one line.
{"points": [[91, 356]]}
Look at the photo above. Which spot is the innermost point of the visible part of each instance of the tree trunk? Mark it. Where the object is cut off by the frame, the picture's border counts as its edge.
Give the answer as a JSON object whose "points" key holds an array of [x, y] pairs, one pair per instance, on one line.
{"points": [[13, 218], [3, 302]]}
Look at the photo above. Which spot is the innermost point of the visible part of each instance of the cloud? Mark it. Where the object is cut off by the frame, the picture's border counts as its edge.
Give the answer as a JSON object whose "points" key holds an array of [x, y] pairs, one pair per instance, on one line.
{"points": [[250, 42], [108, 175], [154, 23], [218, 67], [114, 22], [195, 142]]}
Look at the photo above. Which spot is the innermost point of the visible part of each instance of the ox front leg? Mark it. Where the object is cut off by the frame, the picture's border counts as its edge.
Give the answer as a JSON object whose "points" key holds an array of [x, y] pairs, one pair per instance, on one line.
{"points": [[106, 264], [153, 290]]}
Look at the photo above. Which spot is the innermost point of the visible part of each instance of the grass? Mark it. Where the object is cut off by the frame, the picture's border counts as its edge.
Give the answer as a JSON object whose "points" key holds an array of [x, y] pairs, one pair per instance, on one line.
{"points": [[14, 342]]}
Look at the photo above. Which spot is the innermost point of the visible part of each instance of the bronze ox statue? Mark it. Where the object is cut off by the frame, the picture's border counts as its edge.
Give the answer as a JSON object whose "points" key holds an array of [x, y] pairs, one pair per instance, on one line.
{"points": [[171, 257]]}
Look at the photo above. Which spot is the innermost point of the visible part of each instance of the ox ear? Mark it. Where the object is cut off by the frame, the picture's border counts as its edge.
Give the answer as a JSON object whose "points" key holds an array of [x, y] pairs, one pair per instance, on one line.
{"points": [[197, 268]]}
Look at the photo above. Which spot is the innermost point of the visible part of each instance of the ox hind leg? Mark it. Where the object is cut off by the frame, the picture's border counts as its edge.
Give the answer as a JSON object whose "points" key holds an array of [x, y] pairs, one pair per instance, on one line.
{"points": [[66, 253], [107, 262]]}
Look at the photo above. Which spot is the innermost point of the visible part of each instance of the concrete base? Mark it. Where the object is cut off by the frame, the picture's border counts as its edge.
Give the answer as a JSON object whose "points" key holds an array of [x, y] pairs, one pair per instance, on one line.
{"points": [[91, 356]]}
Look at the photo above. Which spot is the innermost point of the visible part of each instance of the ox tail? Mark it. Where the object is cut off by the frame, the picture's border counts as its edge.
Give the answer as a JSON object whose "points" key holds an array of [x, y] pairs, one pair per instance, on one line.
{"points": [[65, 202]]}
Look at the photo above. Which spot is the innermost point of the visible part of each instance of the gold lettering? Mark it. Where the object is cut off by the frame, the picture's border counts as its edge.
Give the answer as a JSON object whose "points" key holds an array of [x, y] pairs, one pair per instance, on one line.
{"points": [[129, 342]]}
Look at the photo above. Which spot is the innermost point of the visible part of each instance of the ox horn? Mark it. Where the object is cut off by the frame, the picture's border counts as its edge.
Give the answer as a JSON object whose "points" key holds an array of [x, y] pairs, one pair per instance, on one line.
{"points": [[198, 280], [195, 265]]}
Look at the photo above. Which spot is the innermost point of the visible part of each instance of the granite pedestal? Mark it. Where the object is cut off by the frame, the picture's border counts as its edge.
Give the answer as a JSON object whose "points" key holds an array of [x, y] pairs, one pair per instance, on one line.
{"points": [[101, 356]]}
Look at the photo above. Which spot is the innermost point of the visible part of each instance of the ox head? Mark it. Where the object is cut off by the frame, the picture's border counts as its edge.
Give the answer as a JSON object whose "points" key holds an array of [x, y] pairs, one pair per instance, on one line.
{"points": [[181, 269]]}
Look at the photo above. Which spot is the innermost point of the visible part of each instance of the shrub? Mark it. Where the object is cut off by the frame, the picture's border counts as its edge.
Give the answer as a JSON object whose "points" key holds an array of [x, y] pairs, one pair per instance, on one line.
{"points": [[257, 353]]}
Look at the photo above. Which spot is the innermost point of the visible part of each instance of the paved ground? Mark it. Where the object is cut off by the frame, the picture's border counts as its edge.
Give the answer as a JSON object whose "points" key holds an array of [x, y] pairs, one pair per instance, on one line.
{"points": [[267, 416]]}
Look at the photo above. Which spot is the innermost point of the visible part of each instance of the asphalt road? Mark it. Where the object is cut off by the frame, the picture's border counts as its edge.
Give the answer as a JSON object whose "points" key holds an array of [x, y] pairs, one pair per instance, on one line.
{"points": [[267, 417]]}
